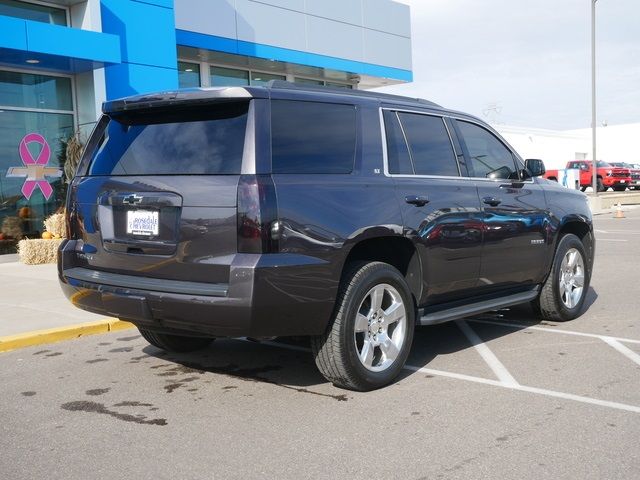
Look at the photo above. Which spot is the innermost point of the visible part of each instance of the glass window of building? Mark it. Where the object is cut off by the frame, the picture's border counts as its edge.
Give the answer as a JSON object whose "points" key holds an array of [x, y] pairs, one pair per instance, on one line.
{"points": [[31, 104], [339, 85], [221, 77], [33, 11], [188, 75], [259, 79], [308, 81]]}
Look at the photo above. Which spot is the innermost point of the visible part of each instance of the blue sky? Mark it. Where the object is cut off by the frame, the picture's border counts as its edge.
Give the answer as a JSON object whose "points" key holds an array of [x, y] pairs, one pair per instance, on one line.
{"points": [[527, 63]]}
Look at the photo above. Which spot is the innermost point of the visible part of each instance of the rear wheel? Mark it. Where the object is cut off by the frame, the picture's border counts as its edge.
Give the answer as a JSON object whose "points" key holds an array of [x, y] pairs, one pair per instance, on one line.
{"points": [[175, 343], [563, 294], [619, 188], [368, 342]]}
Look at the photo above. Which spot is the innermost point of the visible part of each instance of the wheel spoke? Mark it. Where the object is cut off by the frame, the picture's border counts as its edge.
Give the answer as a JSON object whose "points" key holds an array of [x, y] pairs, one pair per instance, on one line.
{"points": [[572, 256], [569, 297], [362, 323], [366, 354], [376, 298], [389, 349], [393, 314], [563, 288], [578, 279]]}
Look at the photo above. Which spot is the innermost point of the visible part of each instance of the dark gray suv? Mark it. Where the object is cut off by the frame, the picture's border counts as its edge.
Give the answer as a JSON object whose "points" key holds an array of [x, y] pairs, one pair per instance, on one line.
{"points": [[346, 216]]}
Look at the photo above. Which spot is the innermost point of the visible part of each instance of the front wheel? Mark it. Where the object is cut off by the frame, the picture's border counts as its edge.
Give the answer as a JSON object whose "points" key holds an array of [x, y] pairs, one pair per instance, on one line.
{"points": [[600, 185], [619, 188], [367, 343], [174, 343], [563, 294]]}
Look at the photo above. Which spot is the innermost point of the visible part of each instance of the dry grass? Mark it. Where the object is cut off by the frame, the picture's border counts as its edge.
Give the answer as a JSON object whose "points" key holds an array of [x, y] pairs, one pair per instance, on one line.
{"points": [[37, 251], [56, 225]]}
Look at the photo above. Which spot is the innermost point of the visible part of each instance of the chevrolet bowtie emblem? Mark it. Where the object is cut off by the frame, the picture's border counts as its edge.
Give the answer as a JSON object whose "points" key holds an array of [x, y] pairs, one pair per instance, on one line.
{"points": [[35, 169], [132, 199]]}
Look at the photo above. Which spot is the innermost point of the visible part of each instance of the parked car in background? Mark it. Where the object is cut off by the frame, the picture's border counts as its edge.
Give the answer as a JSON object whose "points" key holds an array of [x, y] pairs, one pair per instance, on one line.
{"points": [[634, 173], [608, 176]]}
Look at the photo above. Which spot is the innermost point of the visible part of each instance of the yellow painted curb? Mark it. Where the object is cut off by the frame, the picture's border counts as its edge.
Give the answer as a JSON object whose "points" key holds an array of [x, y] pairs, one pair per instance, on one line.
{"points": [[54, 335]]}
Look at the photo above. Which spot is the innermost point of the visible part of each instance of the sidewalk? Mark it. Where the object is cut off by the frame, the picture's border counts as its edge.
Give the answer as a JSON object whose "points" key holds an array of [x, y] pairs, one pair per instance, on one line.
{"points": [[33, 309]]}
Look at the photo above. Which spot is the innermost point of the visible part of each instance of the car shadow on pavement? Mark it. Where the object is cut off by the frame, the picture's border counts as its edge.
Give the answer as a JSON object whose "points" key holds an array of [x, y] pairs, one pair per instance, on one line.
{"points": [[288, 362]]}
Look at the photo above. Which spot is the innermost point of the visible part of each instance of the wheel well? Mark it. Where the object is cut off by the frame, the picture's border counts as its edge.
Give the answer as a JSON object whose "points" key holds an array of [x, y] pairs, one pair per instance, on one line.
{"points": [[396, 251], [582, 231], [552, 178]]}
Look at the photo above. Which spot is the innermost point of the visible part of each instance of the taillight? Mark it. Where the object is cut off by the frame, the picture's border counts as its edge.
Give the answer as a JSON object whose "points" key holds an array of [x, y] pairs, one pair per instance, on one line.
{"points": [[257, 211]]}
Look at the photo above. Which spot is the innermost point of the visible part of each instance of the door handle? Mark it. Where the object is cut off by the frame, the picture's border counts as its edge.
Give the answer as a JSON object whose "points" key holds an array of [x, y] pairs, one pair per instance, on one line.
{"points": [[493, 201], [417, 200]]}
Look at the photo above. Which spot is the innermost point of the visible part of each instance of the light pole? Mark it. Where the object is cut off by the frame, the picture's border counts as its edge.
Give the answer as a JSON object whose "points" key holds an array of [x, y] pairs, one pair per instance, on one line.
{"points": [[594, 184]]}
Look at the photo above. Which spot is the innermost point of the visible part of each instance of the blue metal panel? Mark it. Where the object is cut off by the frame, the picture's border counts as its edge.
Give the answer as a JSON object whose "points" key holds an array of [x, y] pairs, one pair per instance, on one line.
{"points": [[210, 42], [55, 63], [146, 31], [147, 34], [72, 42], [13, 33], [130, 79]]}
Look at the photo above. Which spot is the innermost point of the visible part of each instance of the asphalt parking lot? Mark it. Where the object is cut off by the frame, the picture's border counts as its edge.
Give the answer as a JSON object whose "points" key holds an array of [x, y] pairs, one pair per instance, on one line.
{"points": [[497, 396]]}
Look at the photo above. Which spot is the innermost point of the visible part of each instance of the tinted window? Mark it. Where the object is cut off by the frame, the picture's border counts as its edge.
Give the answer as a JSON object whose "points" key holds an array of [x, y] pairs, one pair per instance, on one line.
{"points": [[489, 157], [208, 141], [397, 151], [309, 137], [430, 146]]}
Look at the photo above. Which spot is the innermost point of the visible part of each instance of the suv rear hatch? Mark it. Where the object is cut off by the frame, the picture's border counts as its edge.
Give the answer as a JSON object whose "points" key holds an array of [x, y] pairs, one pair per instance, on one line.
{"points": [[156, 193]]}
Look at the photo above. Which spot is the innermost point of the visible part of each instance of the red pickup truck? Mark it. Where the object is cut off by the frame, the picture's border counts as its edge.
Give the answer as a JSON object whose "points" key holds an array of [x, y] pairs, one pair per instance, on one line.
{"points": [[608, 176]]}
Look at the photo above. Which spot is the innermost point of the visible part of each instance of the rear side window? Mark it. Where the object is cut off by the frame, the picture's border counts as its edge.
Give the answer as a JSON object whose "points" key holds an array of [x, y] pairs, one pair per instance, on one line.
{"points": [[430, 145], [206, 141], [397, 151], [311, 137], [488, 156]]}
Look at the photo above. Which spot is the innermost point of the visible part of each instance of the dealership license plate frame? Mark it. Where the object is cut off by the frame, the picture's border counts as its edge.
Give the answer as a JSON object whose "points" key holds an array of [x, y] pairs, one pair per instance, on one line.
{"points": [[144, 223]]}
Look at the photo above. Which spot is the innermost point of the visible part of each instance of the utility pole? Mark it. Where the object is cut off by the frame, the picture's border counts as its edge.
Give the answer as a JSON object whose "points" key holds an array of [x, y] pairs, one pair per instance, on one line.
{"points": [[593, 96]]}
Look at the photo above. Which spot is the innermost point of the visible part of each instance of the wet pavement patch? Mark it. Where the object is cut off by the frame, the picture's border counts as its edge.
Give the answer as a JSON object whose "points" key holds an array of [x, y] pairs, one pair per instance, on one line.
{"points": [[54, 354], [96, 360], [28, 394], [128, 339], [97, 391], [93, 407], [121, 349], [133, 404], [104, 344], [40, 352]]}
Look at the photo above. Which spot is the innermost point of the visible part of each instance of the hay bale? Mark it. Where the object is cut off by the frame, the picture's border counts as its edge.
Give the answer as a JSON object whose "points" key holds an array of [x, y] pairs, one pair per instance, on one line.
{"points": [[56, 225], [12, 227], [38, 251]]}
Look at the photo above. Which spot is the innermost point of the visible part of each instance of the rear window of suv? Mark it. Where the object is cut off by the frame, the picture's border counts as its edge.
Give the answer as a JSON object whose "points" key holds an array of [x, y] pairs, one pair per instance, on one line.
{"points": [[206, 141], [312, 137]]}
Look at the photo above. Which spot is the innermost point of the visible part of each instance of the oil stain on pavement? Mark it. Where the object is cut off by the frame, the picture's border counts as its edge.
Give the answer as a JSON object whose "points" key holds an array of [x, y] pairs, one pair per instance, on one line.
{"points": [[94, 407]]}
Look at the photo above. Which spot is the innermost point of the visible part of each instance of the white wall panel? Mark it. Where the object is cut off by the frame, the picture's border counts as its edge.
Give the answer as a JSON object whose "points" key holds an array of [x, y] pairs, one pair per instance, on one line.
{"points": [[212, 17], [270, 25], [384, 49], [335, 39], [387, 16], [348, 11]]}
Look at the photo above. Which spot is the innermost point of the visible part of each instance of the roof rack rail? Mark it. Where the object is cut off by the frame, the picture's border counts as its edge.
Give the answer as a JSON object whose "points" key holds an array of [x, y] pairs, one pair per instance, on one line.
{"points": [[285, 85]]}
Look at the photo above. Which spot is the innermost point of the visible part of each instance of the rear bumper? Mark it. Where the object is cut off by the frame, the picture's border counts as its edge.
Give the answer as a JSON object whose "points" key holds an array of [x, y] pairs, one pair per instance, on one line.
{"points": [[267, 295]]}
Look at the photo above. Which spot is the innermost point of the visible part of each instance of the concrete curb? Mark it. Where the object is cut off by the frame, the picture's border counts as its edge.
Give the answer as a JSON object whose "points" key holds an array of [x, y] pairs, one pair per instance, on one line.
{"points": [[54, 335]]}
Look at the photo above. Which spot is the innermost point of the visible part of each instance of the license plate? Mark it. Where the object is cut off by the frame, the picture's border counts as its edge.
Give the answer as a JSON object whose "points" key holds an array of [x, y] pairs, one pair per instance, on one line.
{"points": [[622, 181], [142, 222]]}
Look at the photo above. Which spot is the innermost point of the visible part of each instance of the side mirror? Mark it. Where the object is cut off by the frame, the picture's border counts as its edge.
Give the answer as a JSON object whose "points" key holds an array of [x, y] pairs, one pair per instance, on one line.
{"points": [[535, 167]]}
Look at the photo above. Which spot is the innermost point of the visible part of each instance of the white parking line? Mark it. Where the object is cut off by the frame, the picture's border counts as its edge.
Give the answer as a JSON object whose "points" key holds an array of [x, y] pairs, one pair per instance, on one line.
{"points": [[487, 355], [494, 383], [610, 239], [626, 351], [524, 388], [522, 326]]}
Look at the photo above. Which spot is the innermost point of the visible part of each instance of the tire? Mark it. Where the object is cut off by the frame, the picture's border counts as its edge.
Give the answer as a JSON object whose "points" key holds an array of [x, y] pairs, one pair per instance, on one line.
{"points": [[619, 189], [583, 189], [360, 331], [561, 300], [175, 343], [600, 185]]}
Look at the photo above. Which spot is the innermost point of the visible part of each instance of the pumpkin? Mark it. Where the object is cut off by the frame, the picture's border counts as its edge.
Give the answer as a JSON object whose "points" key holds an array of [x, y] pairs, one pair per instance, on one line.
{"points": [[24, 212], [47, 235]]}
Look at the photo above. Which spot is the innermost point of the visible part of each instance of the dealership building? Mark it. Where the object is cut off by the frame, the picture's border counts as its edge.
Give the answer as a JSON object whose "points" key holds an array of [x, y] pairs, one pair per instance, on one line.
{"points": [[60, 59]]}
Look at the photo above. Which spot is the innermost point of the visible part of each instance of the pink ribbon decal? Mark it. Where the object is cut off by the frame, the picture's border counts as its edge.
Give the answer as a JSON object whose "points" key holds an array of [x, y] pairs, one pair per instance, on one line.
{"points": [[35, 169]]}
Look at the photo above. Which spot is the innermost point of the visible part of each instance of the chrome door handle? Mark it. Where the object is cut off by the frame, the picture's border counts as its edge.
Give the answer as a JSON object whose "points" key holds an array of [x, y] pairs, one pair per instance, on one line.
{"points": [[417, 200], [492, 201]]}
